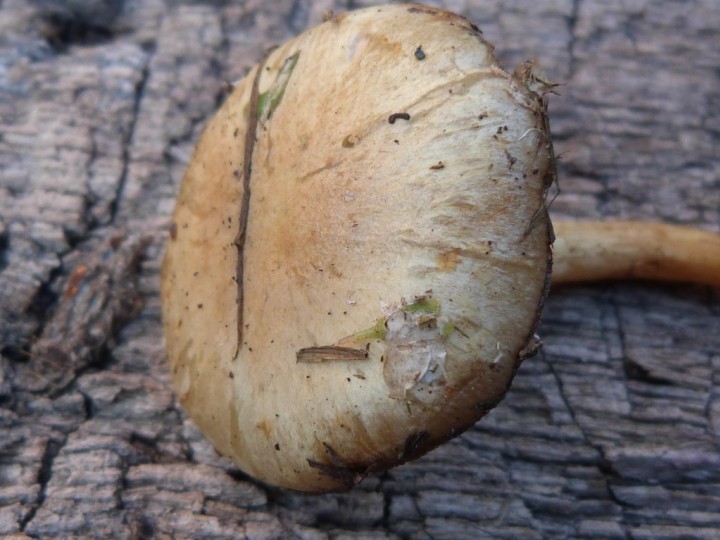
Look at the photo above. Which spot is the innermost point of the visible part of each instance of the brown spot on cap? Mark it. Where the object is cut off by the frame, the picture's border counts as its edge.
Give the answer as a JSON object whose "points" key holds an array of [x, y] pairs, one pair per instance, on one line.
{"points": [[413, 443], [448, 261], [398, 116]]}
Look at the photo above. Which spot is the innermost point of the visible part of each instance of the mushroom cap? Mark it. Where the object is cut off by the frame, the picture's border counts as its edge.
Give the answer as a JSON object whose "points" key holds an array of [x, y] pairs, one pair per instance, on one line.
{"points": [[397, 249]]}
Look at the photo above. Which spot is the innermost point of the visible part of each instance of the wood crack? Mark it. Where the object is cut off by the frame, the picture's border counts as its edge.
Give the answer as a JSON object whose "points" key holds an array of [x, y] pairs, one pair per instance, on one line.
{"points": [[52, 449], [127, 139]]}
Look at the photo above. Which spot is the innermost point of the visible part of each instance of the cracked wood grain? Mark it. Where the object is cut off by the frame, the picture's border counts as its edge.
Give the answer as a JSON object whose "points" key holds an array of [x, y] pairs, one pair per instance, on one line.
{"points": [[98, 295], [612, 431]]}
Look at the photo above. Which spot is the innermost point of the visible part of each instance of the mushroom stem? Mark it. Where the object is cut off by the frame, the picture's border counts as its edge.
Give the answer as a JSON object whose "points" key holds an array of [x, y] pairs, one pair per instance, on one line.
{"points": [[595, 250]]}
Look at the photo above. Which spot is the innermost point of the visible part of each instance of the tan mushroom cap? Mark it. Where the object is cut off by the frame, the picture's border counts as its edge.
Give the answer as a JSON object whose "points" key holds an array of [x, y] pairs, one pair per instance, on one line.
{"points": [[397, 252]]}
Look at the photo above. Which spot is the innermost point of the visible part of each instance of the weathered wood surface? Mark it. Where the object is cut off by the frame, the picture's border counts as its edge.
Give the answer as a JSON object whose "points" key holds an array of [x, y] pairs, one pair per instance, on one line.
{"points": [[613, 431]]}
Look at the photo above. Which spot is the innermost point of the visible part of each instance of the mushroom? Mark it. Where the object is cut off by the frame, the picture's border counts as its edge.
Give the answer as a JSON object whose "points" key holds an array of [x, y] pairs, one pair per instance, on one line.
{"points": [[361, 248], [589, 251]]}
